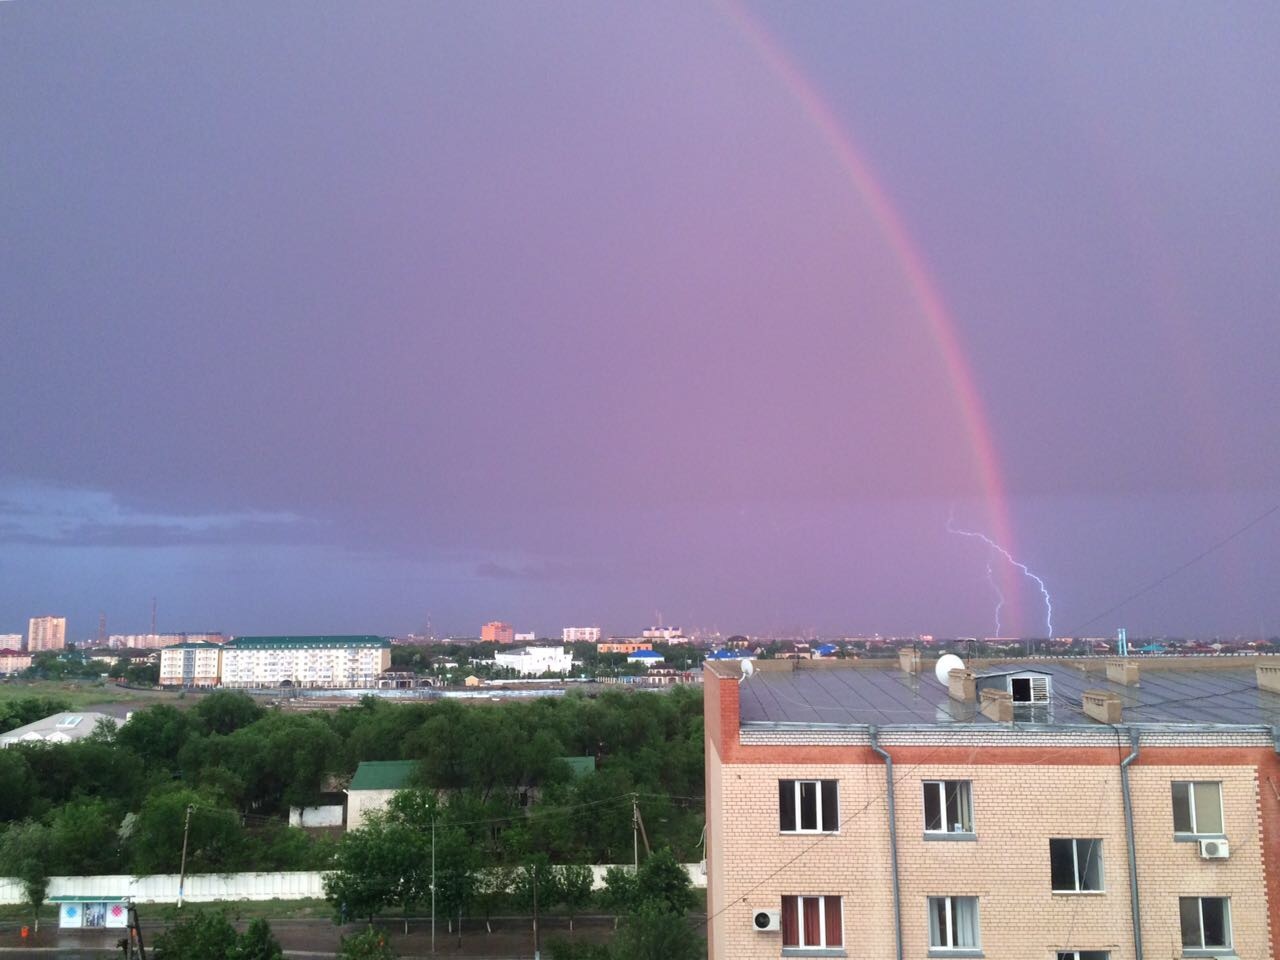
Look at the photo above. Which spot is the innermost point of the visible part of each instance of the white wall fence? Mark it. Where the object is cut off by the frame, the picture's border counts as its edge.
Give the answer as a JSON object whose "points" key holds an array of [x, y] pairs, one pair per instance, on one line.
{"points": [[212, 887]]}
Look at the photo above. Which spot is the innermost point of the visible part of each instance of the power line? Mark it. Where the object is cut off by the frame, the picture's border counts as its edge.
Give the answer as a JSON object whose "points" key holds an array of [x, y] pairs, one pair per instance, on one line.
{"points": [[1177, 570]]}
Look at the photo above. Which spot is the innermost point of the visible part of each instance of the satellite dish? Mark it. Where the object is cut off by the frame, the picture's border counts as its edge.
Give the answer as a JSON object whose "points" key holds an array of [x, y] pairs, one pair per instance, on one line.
{"points": [[946, 663], [748, 668]]}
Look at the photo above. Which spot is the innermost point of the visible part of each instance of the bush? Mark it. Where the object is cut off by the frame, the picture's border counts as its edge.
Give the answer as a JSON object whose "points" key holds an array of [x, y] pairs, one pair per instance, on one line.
{"points": [[568, 950], [370, 945]]}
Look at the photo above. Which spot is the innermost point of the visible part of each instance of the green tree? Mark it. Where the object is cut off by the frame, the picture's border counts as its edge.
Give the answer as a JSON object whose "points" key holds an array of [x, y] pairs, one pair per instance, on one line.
{"points": [[651, 932], [382, 864], [257, 943], [24, 854], [17, 786], [216, 841], [198, 935], [368, 945], [226, 711], [83, 838], [574, 884]]}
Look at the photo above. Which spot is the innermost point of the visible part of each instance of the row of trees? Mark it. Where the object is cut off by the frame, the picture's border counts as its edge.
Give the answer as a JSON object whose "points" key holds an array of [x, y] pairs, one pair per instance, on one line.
{"points": [[114, 802]]}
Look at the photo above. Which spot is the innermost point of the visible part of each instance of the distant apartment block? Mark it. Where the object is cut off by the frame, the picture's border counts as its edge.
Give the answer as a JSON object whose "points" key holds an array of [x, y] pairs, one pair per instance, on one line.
{"points": [[46, 633], [13, 661], [495, 631], [191, 664], [157, 641], [580, 634], [1035, 809], [12, 641], [535, 661], [665, 634], [316, 661], [529, 637], [624, 645]]}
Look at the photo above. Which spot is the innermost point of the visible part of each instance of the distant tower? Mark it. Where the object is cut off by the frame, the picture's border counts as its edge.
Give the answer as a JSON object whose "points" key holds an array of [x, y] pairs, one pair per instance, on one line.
{"points": [[1122, 642], [102, 629], [153, 616]]}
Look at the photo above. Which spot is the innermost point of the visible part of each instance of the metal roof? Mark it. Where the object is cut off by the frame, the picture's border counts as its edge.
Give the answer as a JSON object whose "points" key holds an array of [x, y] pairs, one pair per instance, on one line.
{"points": [[857, 695], [300, 643], [383, 775]]}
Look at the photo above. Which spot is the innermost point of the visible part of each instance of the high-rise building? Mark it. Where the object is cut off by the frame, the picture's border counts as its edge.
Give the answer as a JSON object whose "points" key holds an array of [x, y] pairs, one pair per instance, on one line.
{"points": [[1030, 809], [495, 631], [47, 633]]}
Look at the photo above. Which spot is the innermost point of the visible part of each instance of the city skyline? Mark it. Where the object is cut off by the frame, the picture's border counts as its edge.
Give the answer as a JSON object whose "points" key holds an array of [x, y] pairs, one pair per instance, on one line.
{"points": [[729, 311]]}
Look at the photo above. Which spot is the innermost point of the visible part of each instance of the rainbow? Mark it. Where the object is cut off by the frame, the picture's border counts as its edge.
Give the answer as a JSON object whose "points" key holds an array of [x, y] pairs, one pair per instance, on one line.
{"points": [[891, 225]]}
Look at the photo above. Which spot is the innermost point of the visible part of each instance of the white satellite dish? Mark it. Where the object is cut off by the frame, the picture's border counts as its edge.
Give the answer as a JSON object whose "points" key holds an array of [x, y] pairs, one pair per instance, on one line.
{"points": [[748, 668], [946, 663]]}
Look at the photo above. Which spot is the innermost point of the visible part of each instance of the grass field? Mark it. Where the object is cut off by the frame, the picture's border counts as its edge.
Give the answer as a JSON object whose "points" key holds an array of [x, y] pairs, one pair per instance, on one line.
{"points": [[80, 693]]}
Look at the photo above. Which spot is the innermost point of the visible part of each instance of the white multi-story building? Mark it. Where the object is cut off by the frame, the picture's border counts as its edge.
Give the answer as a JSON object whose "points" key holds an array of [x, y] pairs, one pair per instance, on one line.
{"points": [[665, 634], [535, 661], [340, 662], [46, 633], [580, 634], [191, 665], [13, 660], [156, 641], [11, 641], [529, 637]]}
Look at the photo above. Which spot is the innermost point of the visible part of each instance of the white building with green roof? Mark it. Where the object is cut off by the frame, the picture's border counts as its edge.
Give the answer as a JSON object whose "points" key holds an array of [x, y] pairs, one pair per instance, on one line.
{"points": [[339, 662]]}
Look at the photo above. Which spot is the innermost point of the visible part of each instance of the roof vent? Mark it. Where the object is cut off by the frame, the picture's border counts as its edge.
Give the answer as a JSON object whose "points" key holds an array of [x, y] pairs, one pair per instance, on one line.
{"points": [[909, 660], [962, 685], [1102, 705], [997, 705], [1269, 677], [1123, 671]]}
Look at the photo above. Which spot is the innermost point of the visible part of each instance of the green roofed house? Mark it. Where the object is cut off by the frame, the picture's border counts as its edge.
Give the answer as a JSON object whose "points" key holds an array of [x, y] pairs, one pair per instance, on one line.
{"points": [[373, 786], [335, 662]]}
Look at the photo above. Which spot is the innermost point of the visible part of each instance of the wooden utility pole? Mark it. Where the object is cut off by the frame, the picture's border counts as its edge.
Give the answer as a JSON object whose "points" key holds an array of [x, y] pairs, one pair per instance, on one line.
{"points": [[182, 870]]}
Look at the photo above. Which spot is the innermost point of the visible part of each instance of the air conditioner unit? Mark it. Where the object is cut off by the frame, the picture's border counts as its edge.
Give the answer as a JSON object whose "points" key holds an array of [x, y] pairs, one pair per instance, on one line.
{"points": [[765, 920], [1214, 850]]}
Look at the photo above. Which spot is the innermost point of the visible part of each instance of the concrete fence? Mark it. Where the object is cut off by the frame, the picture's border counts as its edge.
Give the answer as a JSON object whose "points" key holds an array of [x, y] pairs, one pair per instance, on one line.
{"points": [[212, 888]]}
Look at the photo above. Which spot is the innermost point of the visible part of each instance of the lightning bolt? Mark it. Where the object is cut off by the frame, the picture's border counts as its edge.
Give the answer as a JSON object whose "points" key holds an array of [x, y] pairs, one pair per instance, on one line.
{"points": [[991, 579], [1044, 591]]}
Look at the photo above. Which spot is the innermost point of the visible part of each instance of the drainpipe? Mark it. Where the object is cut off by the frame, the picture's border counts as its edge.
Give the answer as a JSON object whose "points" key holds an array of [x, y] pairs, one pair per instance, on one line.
{"points": [[893, 841], [1134, 908]]}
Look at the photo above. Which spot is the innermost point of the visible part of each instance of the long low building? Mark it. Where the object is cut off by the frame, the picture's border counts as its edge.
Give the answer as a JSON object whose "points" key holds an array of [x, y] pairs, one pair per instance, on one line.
{"points": [[335, 662], [535, 661]]}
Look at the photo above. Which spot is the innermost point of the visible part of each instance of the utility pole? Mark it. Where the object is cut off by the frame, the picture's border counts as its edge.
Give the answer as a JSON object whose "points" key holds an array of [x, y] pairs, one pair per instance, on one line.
{"points": [[135, 935], [182, 870], [537, 953], [638, 831], [433, 884]]}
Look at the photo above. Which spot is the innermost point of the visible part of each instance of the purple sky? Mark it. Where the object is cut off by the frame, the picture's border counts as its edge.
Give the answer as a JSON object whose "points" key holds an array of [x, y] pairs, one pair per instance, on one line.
{"points": [[329, 317]]}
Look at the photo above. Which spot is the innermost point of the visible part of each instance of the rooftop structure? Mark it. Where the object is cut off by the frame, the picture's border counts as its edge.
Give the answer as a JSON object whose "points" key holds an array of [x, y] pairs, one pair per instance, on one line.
{"points": [[58, 728], [837, 792]]}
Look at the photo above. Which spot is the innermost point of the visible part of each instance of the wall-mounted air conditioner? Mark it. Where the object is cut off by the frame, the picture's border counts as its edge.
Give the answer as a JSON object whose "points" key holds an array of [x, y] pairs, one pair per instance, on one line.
{"points": [[765, 920], [1214, 850]]}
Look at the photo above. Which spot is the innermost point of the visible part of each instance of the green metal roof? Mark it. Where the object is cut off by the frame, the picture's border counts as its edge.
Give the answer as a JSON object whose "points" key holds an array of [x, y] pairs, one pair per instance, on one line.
{"points": [[301, 643], [194, 645], [383, 775], [580, 766]]}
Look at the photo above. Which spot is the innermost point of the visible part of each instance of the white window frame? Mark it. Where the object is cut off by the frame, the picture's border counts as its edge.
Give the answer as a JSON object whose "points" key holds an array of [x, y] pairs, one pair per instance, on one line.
{"points": [[822, 899], [1226, 924], [1191, 809], [948, 923], [1075, 866], [1041, 688], [966, 800], [817, 784]]}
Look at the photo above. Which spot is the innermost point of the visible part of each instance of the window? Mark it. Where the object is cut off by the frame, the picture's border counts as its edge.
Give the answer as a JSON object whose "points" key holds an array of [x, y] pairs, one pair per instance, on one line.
{"points": [[1033, 688], [1197, 806], [1083, 955], [808, 806], [948, 806], [1075, 865], [953, 923], [1206, 922], [811, 922]]}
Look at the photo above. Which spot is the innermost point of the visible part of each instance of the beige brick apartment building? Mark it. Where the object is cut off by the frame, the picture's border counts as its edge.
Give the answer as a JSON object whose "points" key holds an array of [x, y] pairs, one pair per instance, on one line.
{"points": [[1023, 797]]}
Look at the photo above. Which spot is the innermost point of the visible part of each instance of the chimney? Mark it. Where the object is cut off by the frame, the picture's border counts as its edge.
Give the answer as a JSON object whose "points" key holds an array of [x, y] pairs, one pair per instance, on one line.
{"points": [[1123, 671], [1269, 677], [909, 660], [997, 705], [962, 685], [1102, 705]]}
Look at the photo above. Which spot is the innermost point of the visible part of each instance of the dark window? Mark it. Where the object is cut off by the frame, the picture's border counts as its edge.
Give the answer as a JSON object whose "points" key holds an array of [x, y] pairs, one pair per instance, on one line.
{"points": [[1205, 922], [948, 806], [1075, 865], [808, 806]]}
